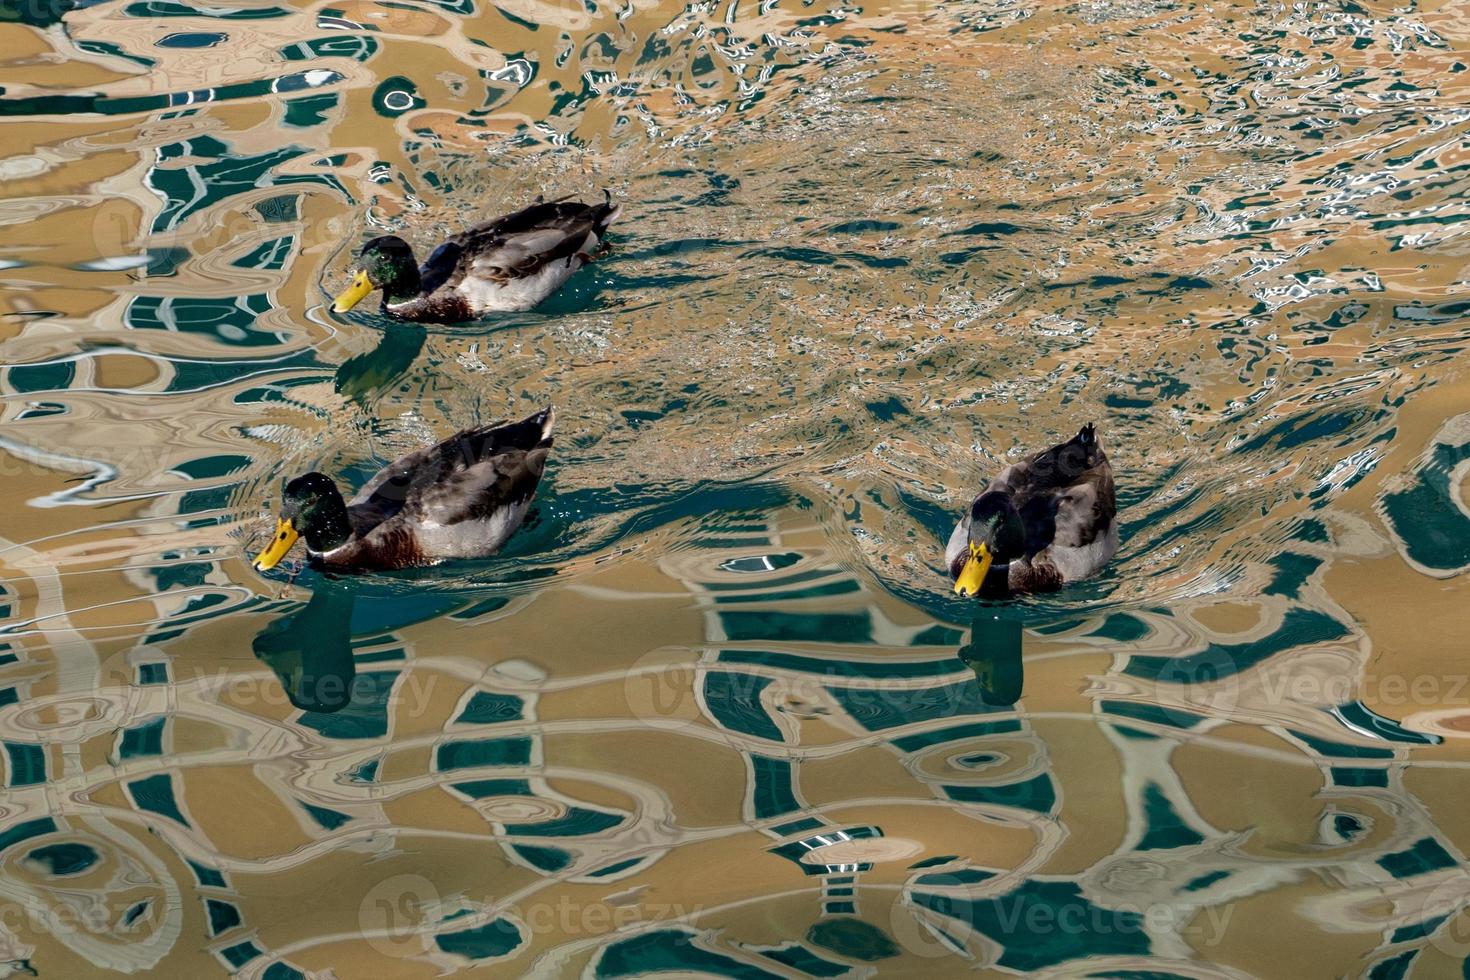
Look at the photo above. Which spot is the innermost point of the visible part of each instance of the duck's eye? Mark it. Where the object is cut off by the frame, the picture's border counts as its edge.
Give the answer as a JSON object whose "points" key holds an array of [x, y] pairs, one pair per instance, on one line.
{"points": [[283, 536]]}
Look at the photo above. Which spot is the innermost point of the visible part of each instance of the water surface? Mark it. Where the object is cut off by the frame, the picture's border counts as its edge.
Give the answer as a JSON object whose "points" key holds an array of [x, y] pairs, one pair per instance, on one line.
{"points": [[714, 712]]}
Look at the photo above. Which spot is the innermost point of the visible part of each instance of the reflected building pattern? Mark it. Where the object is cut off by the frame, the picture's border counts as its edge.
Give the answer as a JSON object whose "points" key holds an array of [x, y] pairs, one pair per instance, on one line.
{"points": [[911, 787], [713, 711]]}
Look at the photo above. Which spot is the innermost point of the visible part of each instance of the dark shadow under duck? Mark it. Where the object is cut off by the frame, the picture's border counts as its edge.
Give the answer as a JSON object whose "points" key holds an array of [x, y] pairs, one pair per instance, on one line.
{"points": [[506, 265], [310, 650], [463, 498], [993, 652], [1045, 521], [364, 376]]}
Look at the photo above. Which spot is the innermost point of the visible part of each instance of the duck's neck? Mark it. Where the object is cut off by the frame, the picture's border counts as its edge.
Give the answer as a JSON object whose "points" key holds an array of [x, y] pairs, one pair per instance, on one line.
{"points": [[405, 283], [997, 583]]}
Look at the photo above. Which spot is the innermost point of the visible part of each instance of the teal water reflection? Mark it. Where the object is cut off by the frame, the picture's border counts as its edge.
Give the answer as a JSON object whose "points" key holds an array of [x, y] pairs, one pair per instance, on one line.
{"points": [[994, 654], [714, 711], [362, 377], [310, 650]]}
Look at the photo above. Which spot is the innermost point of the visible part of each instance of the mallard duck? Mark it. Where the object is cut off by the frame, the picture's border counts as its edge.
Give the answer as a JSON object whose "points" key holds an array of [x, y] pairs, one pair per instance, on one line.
{"points": [[1044, 522], [460, 499], [506, 265]]}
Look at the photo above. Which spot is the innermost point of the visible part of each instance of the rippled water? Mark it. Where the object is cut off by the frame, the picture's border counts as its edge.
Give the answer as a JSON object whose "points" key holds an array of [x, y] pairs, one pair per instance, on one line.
{"points": [[715, 712]]}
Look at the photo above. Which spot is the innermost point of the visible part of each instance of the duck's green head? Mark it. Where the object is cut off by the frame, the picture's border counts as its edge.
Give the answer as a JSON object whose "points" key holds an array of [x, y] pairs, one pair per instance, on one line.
{"points": [[385, 263], [311, 508], [996, 535]]}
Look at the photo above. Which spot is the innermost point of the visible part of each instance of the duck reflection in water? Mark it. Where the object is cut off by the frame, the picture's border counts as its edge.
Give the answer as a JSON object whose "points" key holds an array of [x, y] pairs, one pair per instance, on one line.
{"points": [[310, 650], [363, 376], [994, 654]]}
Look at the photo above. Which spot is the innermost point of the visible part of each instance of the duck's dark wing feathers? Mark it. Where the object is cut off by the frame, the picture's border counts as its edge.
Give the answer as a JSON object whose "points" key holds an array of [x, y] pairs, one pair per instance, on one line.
{"points": [[563, 212], [478, 491], [438, 269], [454, 480], [1039, 518], [1063, 464], [1065, 494], [518, 244]]}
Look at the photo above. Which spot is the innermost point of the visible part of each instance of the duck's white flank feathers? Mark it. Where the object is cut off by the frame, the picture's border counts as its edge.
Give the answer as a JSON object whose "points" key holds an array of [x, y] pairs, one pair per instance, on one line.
{"points": [[521, 293]]}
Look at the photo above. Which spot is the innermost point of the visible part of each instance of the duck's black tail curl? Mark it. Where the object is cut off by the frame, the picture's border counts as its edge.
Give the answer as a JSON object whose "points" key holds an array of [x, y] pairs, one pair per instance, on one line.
{"points": [[607, 211]]}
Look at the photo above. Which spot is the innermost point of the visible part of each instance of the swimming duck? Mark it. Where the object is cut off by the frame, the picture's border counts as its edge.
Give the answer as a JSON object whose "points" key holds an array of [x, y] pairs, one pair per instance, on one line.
{"points": [[460, 499], [1042, 523], [506, 265]]}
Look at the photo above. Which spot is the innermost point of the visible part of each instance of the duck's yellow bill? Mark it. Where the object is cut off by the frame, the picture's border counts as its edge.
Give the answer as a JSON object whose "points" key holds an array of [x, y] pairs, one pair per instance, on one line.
{"points": [[354, 293], [285, 536], [973, 574]]}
